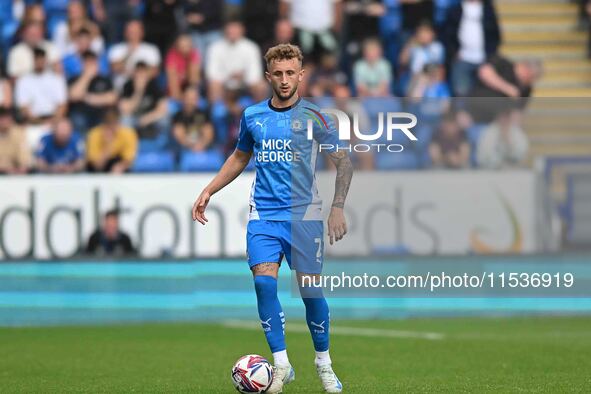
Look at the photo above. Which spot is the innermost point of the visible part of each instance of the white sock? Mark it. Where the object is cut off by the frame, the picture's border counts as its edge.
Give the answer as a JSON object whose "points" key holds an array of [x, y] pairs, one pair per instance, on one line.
{"points": [[280, 358], [322, 358]]}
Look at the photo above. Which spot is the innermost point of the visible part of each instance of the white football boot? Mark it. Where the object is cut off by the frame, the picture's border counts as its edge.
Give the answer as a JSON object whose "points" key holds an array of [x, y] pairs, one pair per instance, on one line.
{"points": [[281, 375], [329, 379]]}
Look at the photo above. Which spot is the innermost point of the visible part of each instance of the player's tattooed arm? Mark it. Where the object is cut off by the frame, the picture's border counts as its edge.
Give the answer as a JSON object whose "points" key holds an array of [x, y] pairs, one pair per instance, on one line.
{"points": [[344, 175], [337, 224]]}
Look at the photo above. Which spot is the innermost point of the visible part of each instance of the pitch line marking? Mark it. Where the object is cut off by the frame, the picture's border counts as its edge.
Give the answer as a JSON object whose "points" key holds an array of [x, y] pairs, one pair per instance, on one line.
{"points": [[352, 331]]}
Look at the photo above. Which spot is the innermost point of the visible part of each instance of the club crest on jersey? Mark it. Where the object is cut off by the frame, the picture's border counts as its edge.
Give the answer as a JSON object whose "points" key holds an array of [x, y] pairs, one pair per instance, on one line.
{"points": [[297, 125]]}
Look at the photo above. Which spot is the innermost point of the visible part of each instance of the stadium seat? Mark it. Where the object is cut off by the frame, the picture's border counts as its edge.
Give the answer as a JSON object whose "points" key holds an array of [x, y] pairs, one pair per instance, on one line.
{"points": [[158, 144], [201, 161], [397, 161], [154, 162]]}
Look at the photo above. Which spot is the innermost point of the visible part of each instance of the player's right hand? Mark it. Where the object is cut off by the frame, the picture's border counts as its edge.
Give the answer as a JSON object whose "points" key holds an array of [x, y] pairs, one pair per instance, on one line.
{"points": [[199, 207]]}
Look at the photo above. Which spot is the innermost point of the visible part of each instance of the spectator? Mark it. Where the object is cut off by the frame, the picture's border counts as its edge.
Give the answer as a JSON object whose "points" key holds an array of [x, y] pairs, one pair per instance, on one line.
{"points": [[415, 13], [5, 93], [361, 23], [284, 34], [503, 144], [259, 17], [61, 151], [391, 30], [226, 117], [183, 66], [110, 240], [316, 22], [112, 15], [73, 63], [124, 56], [449, 147], [90, 94], [243, 70], [192, 128], [143, 104], [500, 79], [422, 50], [355, 110], [64, 37], [40, 95], [430, 84], [326, 76], [110, 146], [373, 73], [20, 57], [472, 36], [15, 156], [205, 22], [33, 14], [161, 22]]}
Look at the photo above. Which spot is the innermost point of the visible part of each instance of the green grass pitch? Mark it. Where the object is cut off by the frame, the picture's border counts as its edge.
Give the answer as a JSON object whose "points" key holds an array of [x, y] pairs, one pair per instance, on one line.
{"points": [[504, 355]]}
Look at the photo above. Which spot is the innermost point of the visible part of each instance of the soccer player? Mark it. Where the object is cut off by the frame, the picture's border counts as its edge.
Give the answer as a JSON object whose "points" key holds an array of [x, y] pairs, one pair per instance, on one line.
{"points": [[285, 209]]}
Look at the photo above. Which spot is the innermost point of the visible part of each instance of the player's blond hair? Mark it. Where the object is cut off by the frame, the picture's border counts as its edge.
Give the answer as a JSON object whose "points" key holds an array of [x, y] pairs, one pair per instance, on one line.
{"points": [[283, 52]]}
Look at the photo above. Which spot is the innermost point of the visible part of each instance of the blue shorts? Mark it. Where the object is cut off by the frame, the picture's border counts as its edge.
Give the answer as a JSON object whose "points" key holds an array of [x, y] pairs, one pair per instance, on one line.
{"points": [[301, 242]]}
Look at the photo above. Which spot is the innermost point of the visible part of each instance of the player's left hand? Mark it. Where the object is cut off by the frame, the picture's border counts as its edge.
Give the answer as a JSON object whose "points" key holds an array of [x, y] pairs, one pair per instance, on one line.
{"points": [[337, 225], [199, 207]]}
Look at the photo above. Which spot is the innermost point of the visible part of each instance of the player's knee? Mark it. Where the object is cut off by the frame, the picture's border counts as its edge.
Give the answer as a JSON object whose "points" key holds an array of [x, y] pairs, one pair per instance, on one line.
{"points": [[265, 286]]}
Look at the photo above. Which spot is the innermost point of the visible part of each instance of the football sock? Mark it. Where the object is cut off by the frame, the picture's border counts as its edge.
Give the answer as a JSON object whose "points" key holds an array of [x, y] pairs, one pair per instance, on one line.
{"points": [[270, 313], [280, 358], [322, 358], [317, 317]]}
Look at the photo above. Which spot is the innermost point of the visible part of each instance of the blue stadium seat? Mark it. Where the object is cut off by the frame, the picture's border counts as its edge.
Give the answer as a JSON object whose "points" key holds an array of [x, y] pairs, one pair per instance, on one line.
{"points": [[154, 162], [397, 161], [158, 144], [201, 161]]}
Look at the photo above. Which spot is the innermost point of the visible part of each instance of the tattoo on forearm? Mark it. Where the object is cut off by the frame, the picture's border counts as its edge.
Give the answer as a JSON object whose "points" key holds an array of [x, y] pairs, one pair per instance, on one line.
{"points": [[343, 179]]}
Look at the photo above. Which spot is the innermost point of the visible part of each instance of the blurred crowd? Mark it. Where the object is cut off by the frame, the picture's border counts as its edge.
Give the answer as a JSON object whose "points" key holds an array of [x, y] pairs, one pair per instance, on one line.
{"points": [[160, 85]]}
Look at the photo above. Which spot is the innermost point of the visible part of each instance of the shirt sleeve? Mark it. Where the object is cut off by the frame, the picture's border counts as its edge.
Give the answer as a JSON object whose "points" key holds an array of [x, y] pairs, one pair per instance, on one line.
{"points": [[214, 67], [245, 140], [22, 93], [24, 154], [93, 146], [127, 90], [93, 243], [61, 90], [327, 134]]}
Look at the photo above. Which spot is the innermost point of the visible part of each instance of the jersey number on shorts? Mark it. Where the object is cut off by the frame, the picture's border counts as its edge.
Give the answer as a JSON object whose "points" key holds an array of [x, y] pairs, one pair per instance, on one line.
{"points": [[319, 251]]}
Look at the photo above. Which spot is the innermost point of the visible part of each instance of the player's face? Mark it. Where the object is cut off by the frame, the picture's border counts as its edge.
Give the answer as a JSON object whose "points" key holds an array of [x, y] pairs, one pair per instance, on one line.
{"points": [[284, 77]]}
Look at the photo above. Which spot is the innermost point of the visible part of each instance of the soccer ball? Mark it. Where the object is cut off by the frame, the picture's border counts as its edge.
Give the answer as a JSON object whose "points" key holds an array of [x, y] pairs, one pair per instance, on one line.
{"points": [[252, 374]]}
